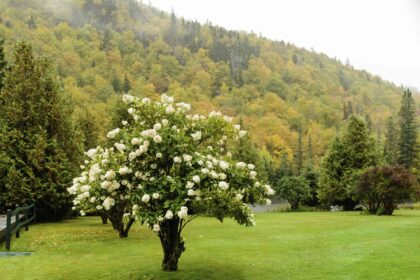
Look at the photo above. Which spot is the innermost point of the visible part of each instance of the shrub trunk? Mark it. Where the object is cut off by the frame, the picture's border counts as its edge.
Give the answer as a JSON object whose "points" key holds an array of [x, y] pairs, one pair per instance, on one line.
{"points": [[172, 244], [294, 204], [116, 215], [104, 217], [388, 206]]}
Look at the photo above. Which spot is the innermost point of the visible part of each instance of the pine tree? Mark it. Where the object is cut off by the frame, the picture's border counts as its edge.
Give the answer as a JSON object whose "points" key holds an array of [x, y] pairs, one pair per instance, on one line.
{"points": [[408, 131], [39, 151], [391, 142]]}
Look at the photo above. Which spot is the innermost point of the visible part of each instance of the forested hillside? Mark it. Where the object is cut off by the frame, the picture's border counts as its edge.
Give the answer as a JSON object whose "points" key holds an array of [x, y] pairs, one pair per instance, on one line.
{"points": [[103, 48]]}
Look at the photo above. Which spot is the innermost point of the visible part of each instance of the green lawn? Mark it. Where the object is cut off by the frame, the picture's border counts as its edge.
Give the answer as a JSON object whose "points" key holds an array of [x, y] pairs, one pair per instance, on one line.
{"points": [[305, 245]]}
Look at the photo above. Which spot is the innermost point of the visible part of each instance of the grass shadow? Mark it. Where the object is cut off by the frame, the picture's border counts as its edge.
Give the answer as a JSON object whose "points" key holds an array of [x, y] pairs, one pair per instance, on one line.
{"points": [[197, 271]]}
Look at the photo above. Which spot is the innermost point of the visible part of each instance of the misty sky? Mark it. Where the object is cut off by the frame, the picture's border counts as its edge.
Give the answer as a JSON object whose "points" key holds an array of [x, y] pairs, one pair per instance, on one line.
{"points": [[381, 36]]}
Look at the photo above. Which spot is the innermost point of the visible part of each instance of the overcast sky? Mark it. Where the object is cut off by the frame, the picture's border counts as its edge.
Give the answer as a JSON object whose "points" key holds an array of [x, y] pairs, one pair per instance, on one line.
{"points": [[381, 36]]}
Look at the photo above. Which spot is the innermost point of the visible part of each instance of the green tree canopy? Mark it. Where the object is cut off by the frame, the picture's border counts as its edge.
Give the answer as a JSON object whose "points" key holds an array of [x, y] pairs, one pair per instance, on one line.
{"points": [[408, 131], [294, 189], [351, 152], [39, 151]]}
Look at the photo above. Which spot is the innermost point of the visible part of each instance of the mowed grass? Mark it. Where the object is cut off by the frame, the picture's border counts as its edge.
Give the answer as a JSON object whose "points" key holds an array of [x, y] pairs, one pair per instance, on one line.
{"points": [[304, 245]]}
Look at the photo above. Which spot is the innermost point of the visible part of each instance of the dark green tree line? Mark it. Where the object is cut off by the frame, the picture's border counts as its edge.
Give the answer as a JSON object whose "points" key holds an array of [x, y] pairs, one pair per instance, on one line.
{"points": [[39, 151]]}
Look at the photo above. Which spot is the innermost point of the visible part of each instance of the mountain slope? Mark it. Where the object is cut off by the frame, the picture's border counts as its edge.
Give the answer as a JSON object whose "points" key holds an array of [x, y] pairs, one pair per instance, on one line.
{"points": [[102, 48]]}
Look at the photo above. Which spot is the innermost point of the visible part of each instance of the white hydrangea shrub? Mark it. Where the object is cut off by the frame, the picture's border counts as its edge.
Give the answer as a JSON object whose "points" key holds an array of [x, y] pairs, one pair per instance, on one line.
{"points": [[170, 164]]}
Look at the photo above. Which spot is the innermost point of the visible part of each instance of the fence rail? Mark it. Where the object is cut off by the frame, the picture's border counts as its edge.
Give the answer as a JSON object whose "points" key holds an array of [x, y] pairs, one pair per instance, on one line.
{"points": [[15, 220]]}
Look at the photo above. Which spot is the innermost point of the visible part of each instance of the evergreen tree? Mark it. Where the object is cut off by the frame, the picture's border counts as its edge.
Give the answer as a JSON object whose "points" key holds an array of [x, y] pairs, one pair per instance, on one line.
{"points": [[39, 153], [368, 122], [284, 169], [349, 109], [116, 84], [171, 32], [310, 153], [87, 126], [245, 150], [391, 142], [31, 23], [3, 63], [350, 154], [346, 114], [408, 131], [312, 178], [126, 85], [299, 153]]}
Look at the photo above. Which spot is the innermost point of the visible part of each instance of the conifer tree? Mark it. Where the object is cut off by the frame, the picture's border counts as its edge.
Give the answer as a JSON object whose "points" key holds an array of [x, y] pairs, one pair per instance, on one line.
{"points": [[284, 166], [350, 109], [408, 131], [126, 85], [116, 84], [245, 150], [350, 154], [310, 153], [311, 176], [3, 63], [391, 142], [368, 122], [39, 151], [299, 153]]}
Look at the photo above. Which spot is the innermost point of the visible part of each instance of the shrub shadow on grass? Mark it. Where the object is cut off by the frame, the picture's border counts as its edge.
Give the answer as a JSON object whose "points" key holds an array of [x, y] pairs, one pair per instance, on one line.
{"points": [[197, 271]]}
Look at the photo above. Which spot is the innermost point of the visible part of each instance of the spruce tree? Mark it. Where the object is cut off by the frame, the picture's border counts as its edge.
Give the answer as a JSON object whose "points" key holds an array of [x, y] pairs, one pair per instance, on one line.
{"points": [[39, 153], [311, 176], [116, 84], [310, 152], [284, 169], [245, 150], [299, 153], [368, 122], [351, 152], [126, 85], [3, 63], [408, 131], [349, 109], [391, 142]]}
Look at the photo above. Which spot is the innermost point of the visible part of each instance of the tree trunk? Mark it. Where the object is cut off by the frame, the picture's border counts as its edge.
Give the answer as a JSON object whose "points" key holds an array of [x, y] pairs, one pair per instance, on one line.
{"points": [[172, 243], [389, 206], [104, 218], [116, 218], [348, 204], [294, 204]]}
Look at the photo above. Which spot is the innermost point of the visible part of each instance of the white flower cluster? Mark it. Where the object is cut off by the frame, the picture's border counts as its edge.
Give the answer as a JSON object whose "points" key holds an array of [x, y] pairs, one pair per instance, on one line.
{"points": [[166, 164]]}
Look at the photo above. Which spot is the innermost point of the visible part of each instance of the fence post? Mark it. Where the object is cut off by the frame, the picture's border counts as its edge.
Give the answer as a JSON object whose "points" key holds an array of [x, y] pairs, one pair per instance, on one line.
{"points": [[17, 220], [8, 228], [26, 218]]}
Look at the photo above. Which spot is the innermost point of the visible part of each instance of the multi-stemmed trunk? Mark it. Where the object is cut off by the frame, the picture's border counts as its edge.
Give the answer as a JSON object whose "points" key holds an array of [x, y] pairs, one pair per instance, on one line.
{"points": [[116, 215], [172, 243], [388, 206]]}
